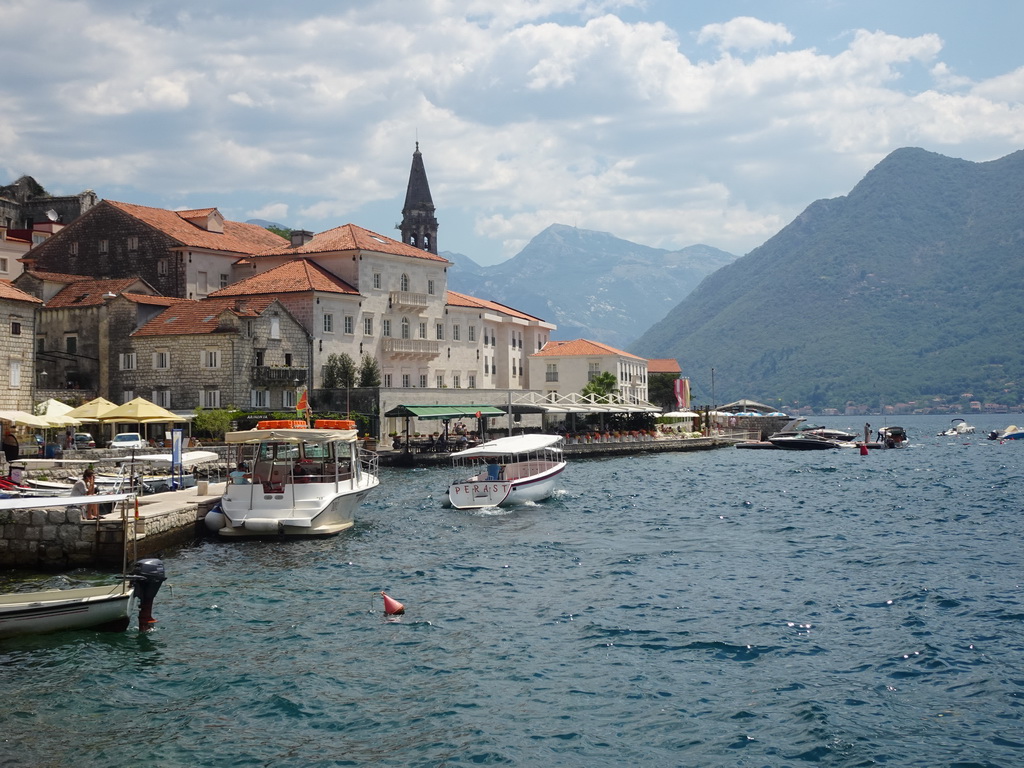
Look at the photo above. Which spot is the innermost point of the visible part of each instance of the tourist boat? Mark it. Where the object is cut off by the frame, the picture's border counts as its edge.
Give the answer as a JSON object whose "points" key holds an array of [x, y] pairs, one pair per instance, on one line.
{"points": [[302, 480], [957, 427], [107, 607], [507, 471]]}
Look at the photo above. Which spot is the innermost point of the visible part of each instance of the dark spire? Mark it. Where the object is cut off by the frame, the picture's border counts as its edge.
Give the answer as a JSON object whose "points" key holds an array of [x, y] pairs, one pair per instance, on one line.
{"points": [[419, 227]]}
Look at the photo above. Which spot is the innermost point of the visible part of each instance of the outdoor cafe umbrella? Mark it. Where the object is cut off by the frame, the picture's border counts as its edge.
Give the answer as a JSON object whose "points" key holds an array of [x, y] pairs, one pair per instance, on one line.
{"points": [[140, 411], [56, 413], [93, 410], [23, 419]]}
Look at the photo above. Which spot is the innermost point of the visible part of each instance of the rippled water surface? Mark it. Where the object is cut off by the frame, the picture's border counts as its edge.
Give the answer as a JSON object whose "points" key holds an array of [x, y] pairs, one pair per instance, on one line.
{"points": [[730, 607]]}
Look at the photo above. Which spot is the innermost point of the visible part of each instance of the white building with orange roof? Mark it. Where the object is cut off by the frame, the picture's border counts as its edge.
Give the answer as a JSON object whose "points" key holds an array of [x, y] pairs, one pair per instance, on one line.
{"points": [[565, 367]]}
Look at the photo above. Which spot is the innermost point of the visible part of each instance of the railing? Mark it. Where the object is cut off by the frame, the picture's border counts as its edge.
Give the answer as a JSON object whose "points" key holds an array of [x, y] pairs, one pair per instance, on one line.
{"points": [[414, 347], [408, 299], [265, 374]]}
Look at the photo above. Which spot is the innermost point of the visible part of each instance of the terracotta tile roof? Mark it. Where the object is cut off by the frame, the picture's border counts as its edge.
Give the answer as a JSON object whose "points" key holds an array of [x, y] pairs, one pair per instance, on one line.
{"points": [[89, 292], [349, 237], [197, 213], [190, 317], [296, 276], [663, 365], [156, 301], [8, 291], [236, 238], [54, 277], [463, 300], [580, 348]]}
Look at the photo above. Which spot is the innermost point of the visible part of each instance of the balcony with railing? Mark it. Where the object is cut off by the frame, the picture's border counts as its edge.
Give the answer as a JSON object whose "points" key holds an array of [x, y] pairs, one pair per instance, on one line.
{"points": [[408, 300], [411, 349], [278, 375]]}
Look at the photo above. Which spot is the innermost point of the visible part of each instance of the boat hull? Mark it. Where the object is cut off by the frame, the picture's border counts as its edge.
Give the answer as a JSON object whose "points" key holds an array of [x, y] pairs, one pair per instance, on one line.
{"points": [[802, 443], [477, 493], [32, 613]]}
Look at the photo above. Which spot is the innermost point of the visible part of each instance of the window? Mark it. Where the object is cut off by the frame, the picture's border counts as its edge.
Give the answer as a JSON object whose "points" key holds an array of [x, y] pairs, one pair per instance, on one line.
{"points": [[15, 328], [472, 333], [405, 282], [248, 329], [40, 343], [275, 327], [162, 397], [259, 398], [127, 395], [328, 322], [71, 344], [210, 398], [551, 373], [387, 381], [103, 247], [210, 358], [73, 248], [349, 324], [472, 381], [260, 356], [223, 281], [456, 333], [133, 244], [385, 327], [405, 380], [423, 331], [127, 362], [161, 267], [367, 326], [202, 283], [456, 381], [430, 287], [289, 399], [440, 381], [4, 266], [440, 331], [15, 367], [287, 359], [423, 380], [405, 328], [593, 371], [376, 280], [161, 360]]}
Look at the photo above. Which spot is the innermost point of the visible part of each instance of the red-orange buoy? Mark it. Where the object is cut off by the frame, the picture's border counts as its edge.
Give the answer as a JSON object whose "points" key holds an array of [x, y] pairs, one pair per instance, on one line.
{"points": [[863, 449], [391, 606]]}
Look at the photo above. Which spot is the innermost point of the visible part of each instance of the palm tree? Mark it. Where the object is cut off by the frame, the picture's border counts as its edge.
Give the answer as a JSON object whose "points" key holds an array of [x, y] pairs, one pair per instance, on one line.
{"points": [[601, 387]]}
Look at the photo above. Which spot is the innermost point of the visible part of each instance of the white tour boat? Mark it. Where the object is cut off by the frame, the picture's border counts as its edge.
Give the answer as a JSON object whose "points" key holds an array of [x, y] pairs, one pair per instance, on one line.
{"points": [[300, 480], [104, 607], [509, 470]]}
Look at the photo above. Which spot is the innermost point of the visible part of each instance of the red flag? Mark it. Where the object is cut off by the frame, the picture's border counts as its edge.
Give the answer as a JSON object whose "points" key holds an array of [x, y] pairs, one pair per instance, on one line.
{"points": [[478, 414], [303, 404]]}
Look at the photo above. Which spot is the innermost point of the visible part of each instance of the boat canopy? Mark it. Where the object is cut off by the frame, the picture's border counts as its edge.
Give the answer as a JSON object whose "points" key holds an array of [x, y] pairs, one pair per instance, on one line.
{"points": [[506, 446], [293, 436]]}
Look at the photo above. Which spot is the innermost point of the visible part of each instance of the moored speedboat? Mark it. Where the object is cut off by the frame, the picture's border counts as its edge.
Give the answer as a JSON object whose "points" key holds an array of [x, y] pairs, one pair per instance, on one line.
{"points": [[957, 427], [891, 437], [1012, 432], [800, 441], [507, 471], [302, 481]]}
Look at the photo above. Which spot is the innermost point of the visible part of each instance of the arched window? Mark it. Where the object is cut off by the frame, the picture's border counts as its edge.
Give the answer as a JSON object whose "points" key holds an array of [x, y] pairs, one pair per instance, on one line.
{"points": [[405, 283], [405, 328], [426, 242]]}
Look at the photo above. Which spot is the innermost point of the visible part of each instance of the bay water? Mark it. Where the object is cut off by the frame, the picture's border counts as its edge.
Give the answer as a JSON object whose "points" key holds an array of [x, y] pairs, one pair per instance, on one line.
{"points": [[719, 608]]}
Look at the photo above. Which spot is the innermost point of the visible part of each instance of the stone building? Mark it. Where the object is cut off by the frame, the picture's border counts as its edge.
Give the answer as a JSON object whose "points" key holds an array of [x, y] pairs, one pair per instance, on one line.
{"points": [[16, 335], [185, 254], [564, 367], [217, 353], [25, 204]]}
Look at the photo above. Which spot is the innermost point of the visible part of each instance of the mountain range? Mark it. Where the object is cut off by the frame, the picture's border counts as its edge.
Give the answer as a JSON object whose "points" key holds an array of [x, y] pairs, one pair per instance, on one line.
{"points": [[911, 287], [591, 284]]}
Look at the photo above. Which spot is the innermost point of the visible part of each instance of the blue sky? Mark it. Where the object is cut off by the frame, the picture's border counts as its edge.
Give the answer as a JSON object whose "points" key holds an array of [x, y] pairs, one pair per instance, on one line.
{"points": [[665, 122]]}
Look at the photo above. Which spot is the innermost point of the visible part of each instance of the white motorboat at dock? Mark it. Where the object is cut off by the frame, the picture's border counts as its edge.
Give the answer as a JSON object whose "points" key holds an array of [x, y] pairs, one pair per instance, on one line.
{"points": [[299, 480], [506, 471]]}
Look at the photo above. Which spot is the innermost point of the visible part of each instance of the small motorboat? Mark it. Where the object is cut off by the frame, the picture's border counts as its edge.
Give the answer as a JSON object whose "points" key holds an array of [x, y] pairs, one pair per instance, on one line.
{"points": [[793, 437], [507, 471], [1012, 432], [957, 427], [303, 481], [106, 608], [891, 437]]}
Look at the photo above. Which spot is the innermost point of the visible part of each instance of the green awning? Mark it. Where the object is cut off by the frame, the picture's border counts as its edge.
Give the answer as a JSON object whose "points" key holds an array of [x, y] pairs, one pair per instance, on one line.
{"points": [[444, 411]]}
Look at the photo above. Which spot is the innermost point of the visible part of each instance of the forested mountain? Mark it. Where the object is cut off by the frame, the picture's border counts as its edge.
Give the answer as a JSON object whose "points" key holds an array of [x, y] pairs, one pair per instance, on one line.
{"points": [[593, 285], [911, 287]]}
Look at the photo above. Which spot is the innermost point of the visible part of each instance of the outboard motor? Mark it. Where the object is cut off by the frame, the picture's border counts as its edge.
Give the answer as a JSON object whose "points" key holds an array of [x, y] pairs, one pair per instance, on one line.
{"points": [[147, 575]]}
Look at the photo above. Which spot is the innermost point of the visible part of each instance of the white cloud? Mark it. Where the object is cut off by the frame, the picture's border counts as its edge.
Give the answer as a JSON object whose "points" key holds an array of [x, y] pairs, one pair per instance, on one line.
{"points": [[745, 33]]}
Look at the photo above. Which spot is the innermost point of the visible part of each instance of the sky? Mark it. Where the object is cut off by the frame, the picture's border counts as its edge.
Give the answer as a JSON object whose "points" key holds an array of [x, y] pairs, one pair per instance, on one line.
{"points": [[665, 122]]}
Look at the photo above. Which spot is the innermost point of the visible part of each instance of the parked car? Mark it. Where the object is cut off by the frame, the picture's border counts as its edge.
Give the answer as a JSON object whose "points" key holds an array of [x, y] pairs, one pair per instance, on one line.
{"points": [[84, 440], [128, 440]]}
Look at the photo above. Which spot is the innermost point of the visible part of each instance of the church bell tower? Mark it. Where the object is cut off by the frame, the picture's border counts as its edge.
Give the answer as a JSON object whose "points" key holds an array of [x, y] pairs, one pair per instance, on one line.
{"points": [[419, 226]]}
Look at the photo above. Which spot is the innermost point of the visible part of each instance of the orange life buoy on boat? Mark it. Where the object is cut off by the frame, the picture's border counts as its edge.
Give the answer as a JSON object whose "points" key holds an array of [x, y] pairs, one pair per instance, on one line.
{"points": [[334, 424]]}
